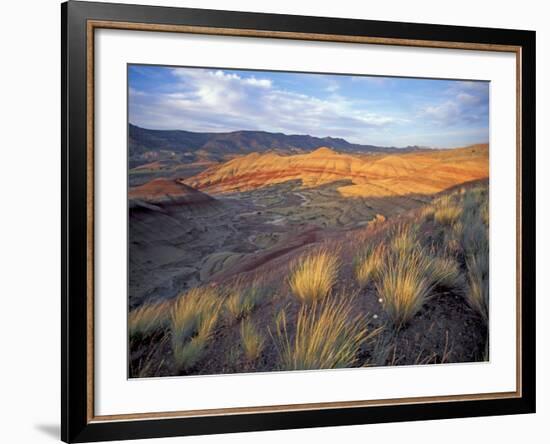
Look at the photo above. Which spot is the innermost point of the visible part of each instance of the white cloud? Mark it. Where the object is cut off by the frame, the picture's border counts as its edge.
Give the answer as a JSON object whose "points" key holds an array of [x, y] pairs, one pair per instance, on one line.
{"points": [[466, 104], [332, 87], [262, 83], [467, 99], [206, 100], [444, 112]]}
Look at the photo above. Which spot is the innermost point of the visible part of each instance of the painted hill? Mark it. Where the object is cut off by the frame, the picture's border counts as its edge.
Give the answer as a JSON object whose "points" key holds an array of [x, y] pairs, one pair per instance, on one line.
{"points": [[146, 145], [422, 172], [166, 192]]}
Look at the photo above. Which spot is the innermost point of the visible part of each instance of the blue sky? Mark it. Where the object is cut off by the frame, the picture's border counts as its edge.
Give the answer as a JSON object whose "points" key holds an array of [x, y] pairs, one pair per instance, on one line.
{"points": [[385, 111]]}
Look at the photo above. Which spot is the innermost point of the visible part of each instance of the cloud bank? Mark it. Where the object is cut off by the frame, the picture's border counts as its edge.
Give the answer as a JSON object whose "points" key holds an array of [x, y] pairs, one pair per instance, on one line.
{"points": [[371, 110]]}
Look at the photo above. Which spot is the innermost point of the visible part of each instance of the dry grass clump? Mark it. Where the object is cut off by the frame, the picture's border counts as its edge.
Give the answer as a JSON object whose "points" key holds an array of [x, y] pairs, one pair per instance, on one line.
{"points": [[447, 215], [448, 200], [252, 341], [149, 363], [326, 336], [477, 266], [457, 229], [484, 213], [368, 264], [476, 244], [404, 284], [474, 235], [193, 319], [446, 210], [148, 318], [192, 309], [236, 305], [186, 355], [471, 201], [469, 233], [445, 272], [313, 275], [403, 238], [427, 213], [409, 273], [242, 299], [475, 197]]}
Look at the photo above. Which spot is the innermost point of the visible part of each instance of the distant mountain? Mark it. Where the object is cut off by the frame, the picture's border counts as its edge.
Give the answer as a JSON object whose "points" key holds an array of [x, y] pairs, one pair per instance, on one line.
{"points": [[147, 145]]}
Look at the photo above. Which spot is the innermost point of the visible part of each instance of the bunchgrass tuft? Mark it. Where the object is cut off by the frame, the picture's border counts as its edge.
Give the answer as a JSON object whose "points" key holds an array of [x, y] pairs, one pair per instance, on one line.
{"points": [[326, 335], [467, 238], [475, 243], [403, 238], [474, 235], [484, 213], [404, 284], [243, 299], [193, 319], [447, 211], [478, 283], [149, 318], [187, 354], [313, 275], [368, 264], [190, 309], [447, 215], [252, 341], [412, 272], [409, 274], [445, 272], [427, 213], [444, 201]]}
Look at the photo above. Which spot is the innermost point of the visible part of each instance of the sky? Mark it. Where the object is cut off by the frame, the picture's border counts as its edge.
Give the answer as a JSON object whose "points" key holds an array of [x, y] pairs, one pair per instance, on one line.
{"points": [[384, 111]]}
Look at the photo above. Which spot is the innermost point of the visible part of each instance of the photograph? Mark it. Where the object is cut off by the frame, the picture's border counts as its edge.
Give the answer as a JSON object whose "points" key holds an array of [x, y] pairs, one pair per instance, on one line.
{"points": [[283, 221]]}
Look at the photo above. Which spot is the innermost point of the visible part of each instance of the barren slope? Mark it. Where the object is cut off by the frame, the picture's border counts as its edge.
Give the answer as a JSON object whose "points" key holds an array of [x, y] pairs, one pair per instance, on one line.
{"points": [[167, 192]]}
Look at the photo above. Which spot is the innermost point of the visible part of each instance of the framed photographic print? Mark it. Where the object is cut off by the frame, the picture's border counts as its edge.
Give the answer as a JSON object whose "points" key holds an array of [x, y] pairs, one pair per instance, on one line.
{"points": [[276, 221]]}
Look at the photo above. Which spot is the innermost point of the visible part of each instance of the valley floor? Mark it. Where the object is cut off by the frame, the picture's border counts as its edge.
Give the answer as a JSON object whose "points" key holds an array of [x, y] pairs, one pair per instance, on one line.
{"points": [[191, 245]]}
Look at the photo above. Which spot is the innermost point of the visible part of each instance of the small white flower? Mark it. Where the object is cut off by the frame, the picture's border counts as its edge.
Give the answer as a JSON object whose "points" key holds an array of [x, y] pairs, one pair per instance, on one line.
{"points": [[375, 317], [380, 300]]}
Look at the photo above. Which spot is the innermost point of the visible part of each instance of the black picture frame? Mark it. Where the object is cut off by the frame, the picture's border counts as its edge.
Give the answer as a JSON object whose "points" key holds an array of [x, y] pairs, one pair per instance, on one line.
{"points": [[77, 320]]}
